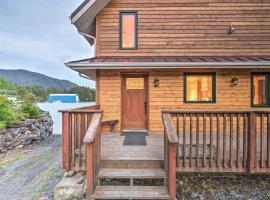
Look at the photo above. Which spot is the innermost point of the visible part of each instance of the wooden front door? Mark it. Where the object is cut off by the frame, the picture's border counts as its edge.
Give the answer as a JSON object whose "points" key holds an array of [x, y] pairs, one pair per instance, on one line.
{"points": [[134, 102]]}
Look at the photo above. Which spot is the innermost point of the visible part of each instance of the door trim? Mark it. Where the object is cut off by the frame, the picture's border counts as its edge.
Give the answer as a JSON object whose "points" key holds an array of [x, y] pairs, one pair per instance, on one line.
{"points": [[146, 74]]}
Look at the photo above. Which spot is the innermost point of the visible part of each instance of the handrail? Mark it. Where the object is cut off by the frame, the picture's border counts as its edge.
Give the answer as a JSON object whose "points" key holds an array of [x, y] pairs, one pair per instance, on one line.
{"points": [[213, 111], [85, 109], [92, 139], [93, 128], [169, 128]]}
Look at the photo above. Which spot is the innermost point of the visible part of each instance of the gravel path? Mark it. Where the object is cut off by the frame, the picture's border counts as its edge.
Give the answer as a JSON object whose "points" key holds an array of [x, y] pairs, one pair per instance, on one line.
{"points": [[31, 173]]}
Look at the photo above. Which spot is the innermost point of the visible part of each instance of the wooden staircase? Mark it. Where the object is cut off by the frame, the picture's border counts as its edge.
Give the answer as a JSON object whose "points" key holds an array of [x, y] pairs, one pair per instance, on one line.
{"points": [[82, 149], [131, 173]]}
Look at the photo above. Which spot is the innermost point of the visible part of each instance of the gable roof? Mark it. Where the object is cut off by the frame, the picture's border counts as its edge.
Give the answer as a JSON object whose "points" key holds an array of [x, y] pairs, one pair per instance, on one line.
{"points": [[84, 16]]}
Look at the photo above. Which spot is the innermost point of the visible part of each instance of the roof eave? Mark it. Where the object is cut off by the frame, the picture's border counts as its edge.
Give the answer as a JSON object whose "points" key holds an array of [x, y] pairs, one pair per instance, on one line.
{"points": [[147, 65]]}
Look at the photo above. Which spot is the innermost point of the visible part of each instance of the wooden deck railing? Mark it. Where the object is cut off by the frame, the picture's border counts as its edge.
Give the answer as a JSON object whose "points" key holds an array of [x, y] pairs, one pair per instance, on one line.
{"points": [[75, 123], [216, 141], [170, 145], [81, 142]]}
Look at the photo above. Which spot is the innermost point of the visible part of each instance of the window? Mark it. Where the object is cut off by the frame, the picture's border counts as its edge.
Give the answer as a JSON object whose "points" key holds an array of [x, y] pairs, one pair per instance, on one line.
{"points": [[128, 30], [259, 91], [200, 87]]}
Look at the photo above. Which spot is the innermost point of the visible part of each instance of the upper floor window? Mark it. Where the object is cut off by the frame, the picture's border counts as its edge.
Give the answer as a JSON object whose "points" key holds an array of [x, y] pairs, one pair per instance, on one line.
{"points": [[128, 30], [200, 87], [259, 91]]}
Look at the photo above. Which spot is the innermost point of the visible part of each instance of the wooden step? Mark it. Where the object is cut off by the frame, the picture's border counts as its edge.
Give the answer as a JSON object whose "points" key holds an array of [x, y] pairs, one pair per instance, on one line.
{"points": [[131, 192], [132, 173], [135, 164]]}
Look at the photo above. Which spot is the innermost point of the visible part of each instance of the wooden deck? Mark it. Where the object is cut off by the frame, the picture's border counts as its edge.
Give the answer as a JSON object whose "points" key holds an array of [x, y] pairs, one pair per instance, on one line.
{"points": [[112, 148], [193, 141]]}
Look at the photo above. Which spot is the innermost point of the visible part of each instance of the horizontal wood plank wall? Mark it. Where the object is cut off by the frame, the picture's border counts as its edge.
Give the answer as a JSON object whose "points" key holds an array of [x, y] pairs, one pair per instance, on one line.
{"points": [[110, 95], [169, 94], [189, 28]]}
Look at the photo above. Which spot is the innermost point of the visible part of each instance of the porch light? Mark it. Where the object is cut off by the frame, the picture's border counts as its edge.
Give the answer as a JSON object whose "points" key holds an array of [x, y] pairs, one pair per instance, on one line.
{"points": [[156, 82], [234, 81]]}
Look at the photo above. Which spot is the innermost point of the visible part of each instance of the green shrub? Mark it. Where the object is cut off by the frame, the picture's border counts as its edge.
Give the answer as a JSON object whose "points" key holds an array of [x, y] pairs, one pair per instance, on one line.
{"points": [[30, 111], [8, 114]]}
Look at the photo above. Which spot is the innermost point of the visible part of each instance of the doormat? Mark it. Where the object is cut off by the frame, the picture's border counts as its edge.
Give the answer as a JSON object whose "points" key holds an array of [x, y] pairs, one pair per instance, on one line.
{"points": [[134, 138]]}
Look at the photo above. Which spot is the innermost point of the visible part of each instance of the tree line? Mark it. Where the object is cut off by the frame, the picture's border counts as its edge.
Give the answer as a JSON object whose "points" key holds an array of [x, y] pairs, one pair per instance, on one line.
{"points": [[86, 94]]}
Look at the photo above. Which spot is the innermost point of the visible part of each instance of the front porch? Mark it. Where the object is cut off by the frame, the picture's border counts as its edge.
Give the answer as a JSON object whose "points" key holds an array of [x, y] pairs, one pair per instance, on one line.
{"points": [[193, 141]]}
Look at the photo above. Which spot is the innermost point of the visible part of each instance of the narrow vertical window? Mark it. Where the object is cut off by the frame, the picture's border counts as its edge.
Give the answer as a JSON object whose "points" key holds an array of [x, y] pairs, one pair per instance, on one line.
{"points": [[128, 30], [259, 89], [200, 88]]}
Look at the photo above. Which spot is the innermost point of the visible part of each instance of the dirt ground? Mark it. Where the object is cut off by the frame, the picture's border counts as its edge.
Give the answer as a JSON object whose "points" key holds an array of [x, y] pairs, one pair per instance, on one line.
{"points": [[229, 187], [31, 173]]}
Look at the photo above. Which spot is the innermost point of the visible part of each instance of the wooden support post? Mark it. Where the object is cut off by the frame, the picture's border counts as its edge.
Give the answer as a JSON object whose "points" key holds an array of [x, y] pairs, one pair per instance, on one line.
{"points": [[172, 171], [251, 151], [90, 170], [65, 141]]}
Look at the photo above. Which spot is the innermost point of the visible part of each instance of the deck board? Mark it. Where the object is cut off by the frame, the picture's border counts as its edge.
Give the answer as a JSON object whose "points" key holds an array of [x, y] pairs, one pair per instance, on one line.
{"points": [[131, 192], [131, 173], [113, 148]]}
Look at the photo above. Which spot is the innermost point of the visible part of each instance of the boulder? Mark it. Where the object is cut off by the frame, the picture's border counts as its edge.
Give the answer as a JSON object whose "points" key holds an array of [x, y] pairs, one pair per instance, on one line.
{"points": [[70, 187], [14, 131], [8, 136]]}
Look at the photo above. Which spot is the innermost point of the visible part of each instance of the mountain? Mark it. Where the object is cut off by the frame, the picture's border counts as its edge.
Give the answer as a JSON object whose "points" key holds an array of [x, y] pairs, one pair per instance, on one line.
{"points": [[27, 78]]}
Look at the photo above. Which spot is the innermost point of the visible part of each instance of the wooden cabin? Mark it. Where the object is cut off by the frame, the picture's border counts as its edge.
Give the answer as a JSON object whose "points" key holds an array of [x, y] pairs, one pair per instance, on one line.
{"points": [[192, 77]]}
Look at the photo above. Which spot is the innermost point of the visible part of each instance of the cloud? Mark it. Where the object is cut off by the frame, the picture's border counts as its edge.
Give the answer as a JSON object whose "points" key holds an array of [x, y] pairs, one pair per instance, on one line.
{"points": [[38, 36]]}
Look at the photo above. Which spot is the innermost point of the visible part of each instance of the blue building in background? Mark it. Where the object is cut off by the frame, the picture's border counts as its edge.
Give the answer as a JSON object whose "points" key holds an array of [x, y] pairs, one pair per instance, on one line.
{"points": [[64, 98]]}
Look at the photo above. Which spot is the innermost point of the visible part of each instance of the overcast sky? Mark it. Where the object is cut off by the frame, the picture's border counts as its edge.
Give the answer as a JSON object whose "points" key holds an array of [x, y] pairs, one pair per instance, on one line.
{"points": [[37, 35]]}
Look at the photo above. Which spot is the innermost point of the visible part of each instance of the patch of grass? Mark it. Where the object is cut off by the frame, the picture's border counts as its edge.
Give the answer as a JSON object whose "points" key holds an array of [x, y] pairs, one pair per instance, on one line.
{"points": [[40, 181], [9, 161]]}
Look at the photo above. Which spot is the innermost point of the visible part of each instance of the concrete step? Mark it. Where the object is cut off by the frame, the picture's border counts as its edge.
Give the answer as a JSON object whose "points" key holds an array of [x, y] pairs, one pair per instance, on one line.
{"points": [[131, 192], [132, 173]]}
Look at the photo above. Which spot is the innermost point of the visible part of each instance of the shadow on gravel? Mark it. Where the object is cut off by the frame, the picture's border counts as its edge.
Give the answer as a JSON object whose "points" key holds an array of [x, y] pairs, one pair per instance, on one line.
{"points": [[33, 172]]}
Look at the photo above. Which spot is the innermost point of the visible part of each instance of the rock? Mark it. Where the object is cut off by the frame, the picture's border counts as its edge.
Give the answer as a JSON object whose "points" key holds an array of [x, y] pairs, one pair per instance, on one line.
{"points": [[44, 118], [2, 130], [70, 187], [14, 131], [196, 196], [2, 141], [69, 173], [9, 137], [20, 147]]}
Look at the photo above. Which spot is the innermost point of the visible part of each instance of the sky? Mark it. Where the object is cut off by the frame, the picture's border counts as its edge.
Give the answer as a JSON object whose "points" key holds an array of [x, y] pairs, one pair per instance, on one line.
{"points": [[37, 35]]}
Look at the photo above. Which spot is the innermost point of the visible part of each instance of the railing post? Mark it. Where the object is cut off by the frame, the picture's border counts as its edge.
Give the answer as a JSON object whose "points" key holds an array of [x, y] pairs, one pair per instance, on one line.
{"points": [[251, 151], [172, 171], [90, 170], [65, 141]]}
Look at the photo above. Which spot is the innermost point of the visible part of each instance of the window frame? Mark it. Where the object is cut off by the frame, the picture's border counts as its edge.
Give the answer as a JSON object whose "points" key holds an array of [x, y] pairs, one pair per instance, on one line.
{"points": [[267, 74], [121, 14], [213, 74]]}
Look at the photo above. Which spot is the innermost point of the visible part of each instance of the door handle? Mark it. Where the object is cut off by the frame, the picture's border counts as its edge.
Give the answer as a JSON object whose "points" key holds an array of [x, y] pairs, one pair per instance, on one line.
{"points": [[145, 107]]}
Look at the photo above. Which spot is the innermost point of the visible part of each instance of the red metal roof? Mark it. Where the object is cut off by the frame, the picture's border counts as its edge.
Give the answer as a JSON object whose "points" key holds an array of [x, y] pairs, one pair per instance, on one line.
{"points": [[177, 59]]}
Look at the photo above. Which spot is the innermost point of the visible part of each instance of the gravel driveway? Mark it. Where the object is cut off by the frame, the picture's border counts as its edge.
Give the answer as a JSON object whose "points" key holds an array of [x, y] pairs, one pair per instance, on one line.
{"points": [[31, 173]]}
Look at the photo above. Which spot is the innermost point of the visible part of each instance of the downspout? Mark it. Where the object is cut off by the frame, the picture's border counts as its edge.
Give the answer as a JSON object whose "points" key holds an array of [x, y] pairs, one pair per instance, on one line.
{"points": [[93, 38]]}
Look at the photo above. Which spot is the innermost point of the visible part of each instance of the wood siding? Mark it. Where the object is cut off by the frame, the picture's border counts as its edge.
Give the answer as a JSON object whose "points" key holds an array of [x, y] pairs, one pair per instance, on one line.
{"points": [[169, 94], [188, 28]]}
